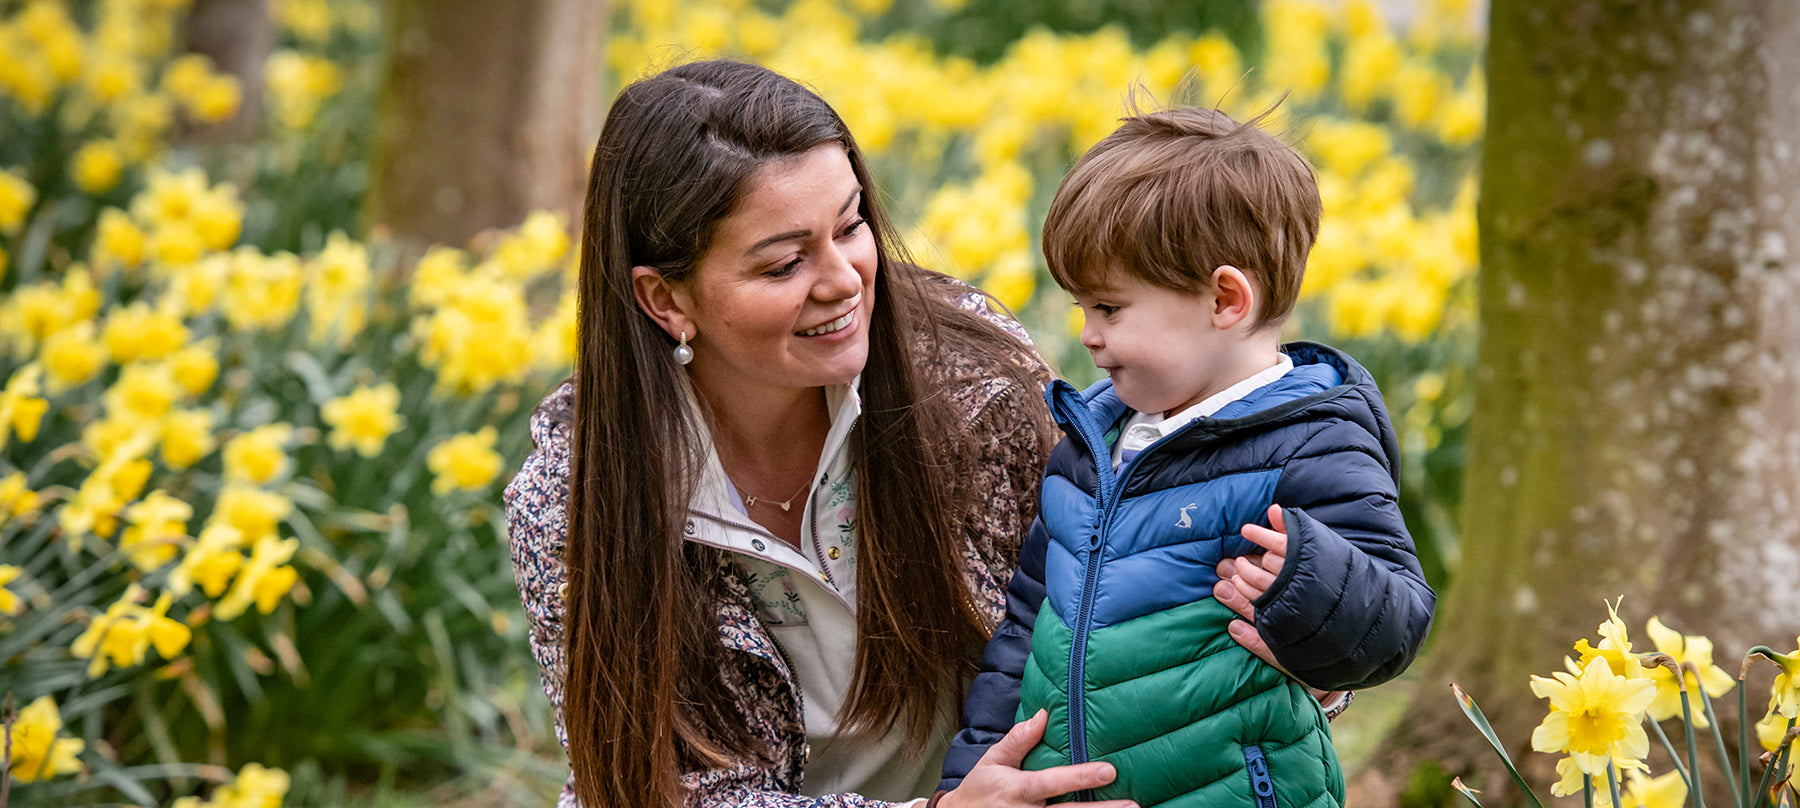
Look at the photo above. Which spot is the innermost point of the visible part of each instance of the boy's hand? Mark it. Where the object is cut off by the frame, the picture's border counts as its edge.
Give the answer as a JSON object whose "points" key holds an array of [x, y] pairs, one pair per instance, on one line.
{"points": [[1244, 579], [1254, 574]]}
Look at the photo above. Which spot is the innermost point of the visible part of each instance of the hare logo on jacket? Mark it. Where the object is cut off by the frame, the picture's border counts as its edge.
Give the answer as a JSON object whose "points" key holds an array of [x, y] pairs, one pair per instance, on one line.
{"points": [[1186, 521]]}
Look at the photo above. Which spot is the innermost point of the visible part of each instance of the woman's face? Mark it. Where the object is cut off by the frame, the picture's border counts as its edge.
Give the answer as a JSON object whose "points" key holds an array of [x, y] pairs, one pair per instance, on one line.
{"points": [[782, 298]]}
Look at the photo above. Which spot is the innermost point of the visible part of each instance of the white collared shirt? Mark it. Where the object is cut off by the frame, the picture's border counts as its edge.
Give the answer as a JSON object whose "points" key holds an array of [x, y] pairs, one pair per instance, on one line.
{"points": [[1143, 429], [806, 598]]}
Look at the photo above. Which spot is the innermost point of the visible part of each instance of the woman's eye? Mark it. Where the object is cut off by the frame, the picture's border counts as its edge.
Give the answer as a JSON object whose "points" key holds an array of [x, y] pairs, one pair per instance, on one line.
{"points": [[852, 228], [784, 270]]}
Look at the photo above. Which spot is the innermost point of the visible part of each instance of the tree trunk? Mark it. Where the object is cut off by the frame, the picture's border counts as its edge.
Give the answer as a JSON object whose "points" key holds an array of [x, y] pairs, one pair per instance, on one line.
{"points": [[488, 112], [1637, 418], [237, 35]]}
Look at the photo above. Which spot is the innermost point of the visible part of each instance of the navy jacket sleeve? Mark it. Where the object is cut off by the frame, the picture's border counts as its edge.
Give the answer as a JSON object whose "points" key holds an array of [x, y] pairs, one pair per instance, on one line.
{"points": [[1350, 607], [994, 696]]}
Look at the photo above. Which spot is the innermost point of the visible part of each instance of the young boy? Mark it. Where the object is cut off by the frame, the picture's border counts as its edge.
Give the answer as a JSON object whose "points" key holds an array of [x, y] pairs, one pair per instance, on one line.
{"points": [[1216, 466]]}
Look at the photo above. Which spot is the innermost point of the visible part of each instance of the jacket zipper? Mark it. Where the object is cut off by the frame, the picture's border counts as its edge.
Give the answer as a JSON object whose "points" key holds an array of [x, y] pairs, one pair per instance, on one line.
{"points": [[1262, 787], [1109, 489]]}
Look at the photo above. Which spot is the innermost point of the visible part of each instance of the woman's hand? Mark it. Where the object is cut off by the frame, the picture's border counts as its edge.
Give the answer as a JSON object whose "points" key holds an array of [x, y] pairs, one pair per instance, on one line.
{"points": [[997, 782]]}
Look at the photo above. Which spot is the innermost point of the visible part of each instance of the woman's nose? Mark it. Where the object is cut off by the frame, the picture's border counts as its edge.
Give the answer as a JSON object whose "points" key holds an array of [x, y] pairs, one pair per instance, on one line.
{"points": [[839, 278]]}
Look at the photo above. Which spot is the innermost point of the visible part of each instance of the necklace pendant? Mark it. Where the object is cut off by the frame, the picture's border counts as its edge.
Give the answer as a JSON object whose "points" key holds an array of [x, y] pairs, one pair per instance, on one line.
{"points": [[784, 505]]}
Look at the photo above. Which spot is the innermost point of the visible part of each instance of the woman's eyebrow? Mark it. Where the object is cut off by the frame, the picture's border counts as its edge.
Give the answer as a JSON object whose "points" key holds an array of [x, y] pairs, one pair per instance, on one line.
{"points": [[798, 234]]}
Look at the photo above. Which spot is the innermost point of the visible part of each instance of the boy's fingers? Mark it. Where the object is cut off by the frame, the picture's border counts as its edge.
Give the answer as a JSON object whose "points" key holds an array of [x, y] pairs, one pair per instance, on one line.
{"points": [[1252, 581], [1010, 750], [1277, 519], [1267, 539]]}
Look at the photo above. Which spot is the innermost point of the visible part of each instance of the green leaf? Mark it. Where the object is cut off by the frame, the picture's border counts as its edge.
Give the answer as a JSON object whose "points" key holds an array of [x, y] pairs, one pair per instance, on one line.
{"points": [[1487, 731]]}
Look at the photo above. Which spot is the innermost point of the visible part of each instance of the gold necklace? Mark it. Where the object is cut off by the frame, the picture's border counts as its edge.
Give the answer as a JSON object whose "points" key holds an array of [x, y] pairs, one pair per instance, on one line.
{"points": [[750, 499]]}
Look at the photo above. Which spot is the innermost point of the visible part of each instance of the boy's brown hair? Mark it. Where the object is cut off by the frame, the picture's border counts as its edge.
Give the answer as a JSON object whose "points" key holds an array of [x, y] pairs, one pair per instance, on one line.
{"points": [[1172, 195]]}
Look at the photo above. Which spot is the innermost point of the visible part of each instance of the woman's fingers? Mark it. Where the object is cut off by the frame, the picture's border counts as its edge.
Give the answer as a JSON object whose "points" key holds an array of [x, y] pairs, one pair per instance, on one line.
{"points": [[1010, 750], [1055, 782]]}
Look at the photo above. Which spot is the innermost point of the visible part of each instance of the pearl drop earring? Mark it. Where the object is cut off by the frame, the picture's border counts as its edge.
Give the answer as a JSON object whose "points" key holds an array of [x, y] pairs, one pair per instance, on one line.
{"points": [[683, 354]]}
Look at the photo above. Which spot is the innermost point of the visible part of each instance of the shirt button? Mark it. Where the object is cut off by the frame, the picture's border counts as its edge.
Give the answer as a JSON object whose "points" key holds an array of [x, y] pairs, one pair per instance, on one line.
{"points": [[562, 591], [833, 553], [688, 529], [758, 544]]}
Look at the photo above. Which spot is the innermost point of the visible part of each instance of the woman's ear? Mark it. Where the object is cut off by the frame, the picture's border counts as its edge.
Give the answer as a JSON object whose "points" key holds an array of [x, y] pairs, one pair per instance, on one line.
{"points": [[1234, 298], [669, 305]]}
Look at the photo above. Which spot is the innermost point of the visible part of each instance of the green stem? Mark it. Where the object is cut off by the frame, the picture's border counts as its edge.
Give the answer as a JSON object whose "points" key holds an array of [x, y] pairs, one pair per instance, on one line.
{"points": [[1587, 791], [1712, 718], [1612, 783], [1693, 748], [1745, 798], [1669, 746]]}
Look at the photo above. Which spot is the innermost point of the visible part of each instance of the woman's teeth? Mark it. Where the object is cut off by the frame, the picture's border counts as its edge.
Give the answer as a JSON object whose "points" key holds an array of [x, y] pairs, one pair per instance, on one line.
{"points": [[834, 325]]}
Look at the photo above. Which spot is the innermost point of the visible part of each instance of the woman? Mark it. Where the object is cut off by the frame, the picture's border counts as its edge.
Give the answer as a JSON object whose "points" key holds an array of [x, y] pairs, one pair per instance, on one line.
{"points": [[748, 331]]}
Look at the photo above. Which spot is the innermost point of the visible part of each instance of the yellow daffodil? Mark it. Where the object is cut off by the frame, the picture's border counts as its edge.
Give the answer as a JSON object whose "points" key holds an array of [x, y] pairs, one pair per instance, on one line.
{"points": [[97, 166], [155, 527], [255, 787], [264, 580], [37, 754], [1666, 791], [137, 331], [16, 197], [553, 346], [218, 216], [262, 292], [259, 455], [196, 366], [309, 20], [254, 512], [187, 436], [1771, 729], [211, 562], [1615, 648], [1570, 780], [1784, 695], [337, 293], [21, 408], [72, 356], [145, 391], [10, 603], [466, 461], [437, 276], [97, 502], [17, 500], [1595, 717], [124, 635], [215, 100], [363, 419], [298, 84], [1696, 651], [117, 241]]}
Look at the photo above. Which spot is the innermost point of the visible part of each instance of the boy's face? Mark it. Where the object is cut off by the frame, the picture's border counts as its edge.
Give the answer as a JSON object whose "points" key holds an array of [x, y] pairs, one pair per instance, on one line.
{"points": [[1160, 346]]}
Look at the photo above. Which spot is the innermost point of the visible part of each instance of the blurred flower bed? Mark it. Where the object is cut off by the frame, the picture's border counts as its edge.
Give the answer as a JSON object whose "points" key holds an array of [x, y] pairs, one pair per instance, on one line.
{"points": [[250, 459]]}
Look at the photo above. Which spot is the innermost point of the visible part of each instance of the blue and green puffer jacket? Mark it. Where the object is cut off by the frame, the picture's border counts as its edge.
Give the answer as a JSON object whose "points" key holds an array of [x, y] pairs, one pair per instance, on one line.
{"points": [[1112, 627]]}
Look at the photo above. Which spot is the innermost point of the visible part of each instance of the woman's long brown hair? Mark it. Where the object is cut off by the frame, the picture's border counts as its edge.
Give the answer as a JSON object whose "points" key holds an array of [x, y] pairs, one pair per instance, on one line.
{"points": [[646, 698]]}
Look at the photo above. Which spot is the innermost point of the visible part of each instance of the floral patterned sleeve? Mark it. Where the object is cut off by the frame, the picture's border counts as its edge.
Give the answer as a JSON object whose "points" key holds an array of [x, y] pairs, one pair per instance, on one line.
{"points": [[536, 523]]}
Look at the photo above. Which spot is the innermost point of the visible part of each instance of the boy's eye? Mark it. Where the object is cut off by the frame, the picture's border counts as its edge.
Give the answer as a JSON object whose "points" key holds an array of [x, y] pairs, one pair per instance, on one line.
{"points": [[1105, 310]]}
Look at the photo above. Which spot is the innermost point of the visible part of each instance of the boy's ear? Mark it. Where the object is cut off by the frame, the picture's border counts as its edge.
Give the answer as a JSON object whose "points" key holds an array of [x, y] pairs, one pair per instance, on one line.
{"points": [[1234, 298], [671, 306]]}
